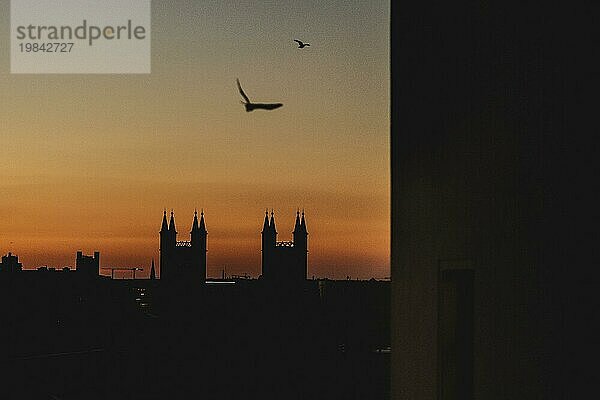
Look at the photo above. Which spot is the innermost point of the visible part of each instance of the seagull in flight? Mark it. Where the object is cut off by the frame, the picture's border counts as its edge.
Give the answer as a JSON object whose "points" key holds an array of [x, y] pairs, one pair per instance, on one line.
{"points": [[301, 44], [256, 106]]}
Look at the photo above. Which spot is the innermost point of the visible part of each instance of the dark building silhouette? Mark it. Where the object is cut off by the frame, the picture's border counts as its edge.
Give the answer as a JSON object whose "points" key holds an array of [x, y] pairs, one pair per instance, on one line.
{"points": [[182, 260], [10, 263], [88, 265], [284, 261]]}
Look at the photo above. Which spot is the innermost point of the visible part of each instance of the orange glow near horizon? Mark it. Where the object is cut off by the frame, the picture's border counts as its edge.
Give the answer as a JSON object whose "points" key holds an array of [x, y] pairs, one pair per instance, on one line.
{"points": [[352, 240]]}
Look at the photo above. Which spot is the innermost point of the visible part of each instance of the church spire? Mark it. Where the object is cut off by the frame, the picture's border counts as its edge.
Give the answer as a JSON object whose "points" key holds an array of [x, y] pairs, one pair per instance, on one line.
{"points": [[202, 224], [152, 271], [303, 223], [164, 226], [172, 223], [195, 223], [297, 225], [266, 224], [272, 224]]}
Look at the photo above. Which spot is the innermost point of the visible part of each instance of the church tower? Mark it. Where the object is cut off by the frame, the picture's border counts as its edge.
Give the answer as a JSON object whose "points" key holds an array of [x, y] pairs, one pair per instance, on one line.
{"points": [[183, 261], [198, 236], [269, 239], [265, 234], [172, 232], [285, 261], [301, 245], [164, 247]]}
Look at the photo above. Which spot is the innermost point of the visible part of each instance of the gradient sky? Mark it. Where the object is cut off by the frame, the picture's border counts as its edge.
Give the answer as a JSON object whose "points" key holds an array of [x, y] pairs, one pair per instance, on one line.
{"points": [[88, 162]]}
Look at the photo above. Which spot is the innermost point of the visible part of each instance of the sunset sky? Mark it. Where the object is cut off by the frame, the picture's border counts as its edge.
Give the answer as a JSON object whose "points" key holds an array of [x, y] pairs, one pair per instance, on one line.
{"points": [[89, 162]]}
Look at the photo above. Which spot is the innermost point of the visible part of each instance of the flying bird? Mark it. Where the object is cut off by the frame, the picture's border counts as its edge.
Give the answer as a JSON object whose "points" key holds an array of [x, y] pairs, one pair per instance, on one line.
{"points": [[256, 106], [300, 44]]}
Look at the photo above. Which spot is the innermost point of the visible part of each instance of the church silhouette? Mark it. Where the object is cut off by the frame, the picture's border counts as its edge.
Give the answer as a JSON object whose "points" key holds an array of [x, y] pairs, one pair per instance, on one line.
{"points": [[183, 260], [283, 261]]}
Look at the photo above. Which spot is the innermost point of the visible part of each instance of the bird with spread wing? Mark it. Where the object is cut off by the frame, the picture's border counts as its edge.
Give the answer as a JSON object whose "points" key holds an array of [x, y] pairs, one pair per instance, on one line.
{"points": [[256, 106], [301, 44]]}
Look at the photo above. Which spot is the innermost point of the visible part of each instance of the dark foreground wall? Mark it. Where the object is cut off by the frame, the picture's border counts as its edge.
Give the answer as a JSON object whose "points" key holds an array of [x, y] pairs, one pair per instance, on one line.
{"points": [[492, 228]]}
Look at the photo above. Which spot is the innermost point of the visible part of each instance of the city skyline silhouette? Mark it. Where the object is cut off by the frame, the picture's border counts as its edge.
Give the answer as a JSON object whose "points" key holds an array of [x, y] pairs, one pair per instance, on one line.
{"points": [[211, 270]]}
